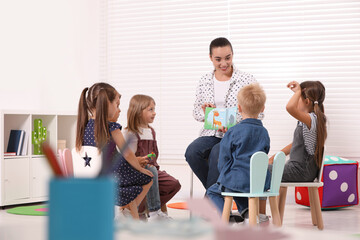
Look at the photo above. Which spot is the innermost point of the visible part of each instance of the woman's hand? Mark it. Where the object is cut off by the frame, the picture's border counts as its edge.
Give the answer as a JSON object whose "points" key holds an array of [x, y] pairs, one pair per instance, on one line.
{"points": [[205, 105], [147, 172], [294, 86], [143, 161], [223, 129]]}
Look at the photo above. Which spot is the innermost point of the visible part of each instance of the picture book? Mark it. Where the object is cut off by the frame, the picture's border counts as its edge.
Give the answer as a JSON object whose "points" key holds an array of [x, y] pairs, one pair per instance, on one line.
{"points": [[216, 118], [16, 140], [25, 145]]}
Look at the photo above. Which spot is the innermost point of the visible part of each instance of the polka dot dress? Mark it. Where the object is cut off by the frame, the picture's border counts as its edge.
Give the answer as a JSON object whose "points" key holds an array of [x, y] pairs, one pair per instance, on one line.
{"points": [[129, 180]]}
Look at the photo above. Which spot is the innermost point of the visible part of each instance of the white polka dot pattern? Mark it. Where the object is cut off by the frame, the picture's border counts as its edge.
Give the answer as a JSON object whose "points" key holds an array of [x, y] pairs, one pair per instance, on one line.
{"points": [[333, 175], [298, 196], [351, 198], [344, 187]]}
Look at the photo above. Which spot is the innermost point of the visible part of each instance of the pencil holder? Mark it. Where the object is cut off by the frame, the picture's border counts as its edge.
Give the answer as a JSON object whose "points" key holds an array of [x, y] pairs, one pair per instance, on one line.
{"points": [[81, 208]]}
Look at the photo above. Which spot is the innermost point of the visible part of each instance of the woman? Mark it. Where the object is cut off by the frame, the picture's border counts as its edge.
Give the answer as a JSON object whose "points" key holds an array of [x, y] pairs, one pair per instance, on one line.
{"points": [[218, 88]]}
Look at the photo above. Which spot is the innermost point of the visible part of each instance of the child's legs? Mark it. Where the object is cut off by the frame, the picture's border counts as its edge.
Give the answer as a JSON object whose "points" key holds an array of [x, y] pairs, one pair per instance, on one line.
{"points": [[143, 193], [153, 195], [262, 205], [214, 194], [168, 186], [241, 203]]}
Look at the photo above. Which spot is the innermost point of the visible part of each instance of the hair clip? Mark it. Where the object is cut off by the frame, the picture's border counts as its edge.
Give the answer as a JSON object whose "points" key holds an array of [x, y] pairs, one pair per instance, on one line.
{"points": [[316, 102]]}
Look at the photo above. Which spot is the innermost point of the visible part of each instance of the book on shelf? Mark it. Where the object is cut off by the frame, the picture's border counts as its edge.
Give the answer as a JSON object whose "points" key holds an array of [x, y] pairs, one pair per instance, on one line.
{"points": [[16, 141], [9, 154], [25, 145], [216, 118]]}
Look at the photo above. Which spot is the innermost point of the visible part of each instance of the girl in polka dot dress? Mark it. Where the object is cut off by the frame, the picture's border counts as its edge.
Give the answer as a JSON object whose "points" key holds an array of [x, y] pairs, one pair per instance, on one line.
{"points": [[96, 126], [307, 149]]}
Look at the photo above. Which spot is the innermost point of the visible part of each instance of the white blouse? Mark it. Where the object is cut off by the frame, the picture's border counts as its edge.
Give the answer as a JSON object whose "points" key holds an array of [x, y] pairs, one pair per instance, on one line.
{"points": [[205, 94]]}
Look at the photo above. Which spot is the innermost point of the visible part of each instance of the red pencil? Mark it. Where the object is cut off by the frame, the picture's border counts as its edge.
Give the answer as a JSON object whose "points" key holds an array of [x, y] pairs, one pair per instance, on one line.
{"points": [[52, 160]]}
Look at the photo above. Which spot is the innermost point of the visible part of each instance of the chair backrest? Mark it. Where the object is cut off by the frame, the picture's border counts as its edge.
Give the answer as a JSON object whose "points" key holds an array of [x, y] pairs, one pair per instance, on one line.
{"points": [[61, 161], [318, 179], [277, 172], [68, 162], [258, 168], [87, 162]]}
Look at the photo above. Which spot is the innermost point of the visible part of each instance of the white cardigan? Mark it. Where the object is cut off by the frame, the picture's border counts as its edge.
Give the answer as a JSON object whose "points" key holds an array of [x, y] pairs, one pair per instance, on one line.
{"points": [[205, 94]]}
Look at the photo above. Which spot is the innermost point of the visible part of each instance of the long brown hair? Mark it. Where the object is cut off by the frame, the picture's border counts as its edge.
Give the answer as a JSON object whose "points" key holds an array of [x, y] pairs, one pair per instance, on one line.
{"points": [[315, 92], [97, 99], [134, 114]]}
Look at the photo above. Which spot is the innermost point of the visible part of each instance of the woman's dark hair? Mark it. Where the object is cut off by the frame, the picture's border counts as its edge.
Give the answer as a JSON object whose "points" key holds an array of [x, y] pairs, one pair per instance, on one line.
{"points": [[96, 99], [219, 42], [315, 92]]}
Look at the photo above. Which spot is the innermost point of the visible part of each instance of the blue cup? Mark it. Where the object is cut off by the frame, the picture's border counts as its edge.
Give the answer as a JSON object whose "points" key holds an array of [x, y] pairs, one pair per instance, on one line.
{"points": [[81, 208]]}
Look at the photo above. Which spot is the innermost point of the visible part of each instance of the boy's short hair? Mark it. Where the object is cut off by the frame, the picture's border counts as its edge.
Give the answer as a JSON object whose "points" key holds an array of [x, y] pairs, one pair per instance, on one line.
{"points": [[252, 99]]}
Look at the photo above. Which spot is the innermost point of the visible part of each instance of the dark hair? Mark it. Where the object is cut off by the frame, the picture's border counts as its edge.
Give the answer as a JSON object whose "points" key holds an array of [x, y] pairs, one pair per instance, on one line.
{"points": [[219, 42], [97, 99], [315, 92]]}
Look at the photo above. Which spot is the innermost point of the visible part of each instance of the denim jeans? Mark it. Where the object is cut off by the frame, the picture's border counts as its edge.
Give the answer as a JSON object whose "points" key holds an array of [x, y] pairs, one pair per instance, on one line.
{"points": [[153, 195], [202, 156], [214, 194]]}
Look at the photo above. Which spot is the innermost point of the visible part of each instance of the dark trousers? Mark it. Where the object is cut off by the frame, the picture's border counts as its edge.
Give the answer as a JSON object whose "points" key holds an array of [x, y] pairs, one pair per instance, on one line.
{"points": [[202, 156]]}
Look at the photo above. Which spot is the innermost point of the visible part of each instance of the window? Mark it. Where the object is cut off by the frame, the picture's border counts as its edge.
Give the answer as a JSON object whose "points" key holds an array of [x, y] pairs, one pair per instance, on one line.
{"points": [[160, 48]]}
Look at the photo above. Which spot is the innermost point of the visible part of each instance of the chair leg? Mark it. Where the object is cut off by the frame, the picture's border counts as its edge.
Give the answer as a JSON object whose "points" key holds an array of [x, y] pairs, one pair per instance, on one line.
{"points": [[275, 211], [227, 208], [319, 219], [253, 211], [282, 200], [312, 206]]}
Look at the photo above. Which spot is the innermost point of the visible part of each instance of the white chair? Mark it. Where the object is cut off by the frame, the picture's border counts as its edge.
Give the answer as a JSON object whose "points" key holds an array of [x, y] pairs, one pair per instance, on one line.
{"points": [[87, 162], [313, 187], [258, 170]]}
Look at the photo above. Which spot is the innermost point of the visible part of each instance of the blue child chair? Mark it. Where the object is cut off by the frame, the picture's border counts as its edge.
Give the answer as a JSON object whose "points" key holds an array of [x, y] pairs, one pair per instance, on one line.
{"points": [[258, 169]]}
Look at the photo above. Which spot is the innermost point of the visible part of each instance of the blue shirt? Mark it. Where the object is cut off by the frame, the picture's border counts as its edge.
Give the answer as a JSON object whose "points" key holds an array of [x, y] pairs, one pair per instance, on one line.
{"points": [[236, 148]]}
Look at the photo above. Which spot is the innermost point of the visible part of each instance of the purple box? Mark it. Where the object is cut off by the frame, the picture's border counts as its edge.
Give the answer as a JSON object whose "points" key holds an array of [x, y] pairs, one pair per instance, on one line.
{"points": [[340, 177]]}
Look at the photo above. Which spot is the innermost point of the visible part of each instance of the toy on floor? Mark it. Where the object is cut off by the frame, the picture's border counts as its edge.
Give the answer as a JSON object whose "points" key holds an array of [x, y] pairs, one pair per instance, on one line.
{"points": [[340, 177]]}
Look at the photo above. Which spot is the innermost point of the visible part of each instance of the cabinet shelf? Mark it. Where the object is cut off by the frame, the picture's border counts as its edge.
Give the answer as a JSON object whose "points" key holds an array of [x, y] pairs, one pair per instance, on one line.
{"points": [[24, 178]]}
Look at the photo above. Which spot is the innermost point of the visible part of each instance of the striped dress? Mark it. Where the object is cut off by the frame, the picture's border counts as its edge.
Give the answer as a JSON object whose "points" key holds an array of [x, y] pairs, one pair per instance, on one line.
{"points": [[301, 167]]}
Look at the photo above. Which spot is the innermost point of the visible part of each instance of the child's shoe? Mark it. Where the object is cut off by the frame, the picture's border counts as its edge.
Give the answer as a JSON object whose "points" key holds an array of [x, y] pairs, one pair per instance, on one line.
{"points": [[143, 216], [124, 214], [158, 216], [263, 218], [235, 218]]}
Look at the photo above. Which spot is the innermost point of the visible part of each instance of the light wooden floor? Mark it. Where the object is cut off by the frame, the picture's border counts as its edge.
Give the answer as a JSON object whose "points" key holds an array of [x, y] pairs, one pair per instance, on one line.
{"points": [[339, 224]]}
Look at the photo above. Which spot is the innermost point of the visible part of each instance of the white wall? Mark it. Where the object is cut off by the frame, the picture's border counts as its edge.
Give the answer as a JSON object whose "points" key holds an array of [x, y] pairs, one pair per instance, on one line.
{"points": [[49, 51]]}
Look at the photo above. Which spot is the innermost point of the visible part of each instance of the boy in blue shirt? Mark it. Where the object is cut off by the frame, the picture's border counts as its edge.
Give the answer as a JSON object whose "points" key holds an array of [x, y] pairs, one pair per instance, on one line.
{"points": [[238, 145]]}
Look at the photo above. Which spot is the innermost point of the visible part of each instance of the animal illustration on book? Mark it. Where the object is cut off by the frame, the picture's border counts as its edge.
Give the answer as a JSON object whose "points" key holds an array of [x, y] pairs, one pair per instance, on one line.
{"points": [[216, 123], [216, 118]]}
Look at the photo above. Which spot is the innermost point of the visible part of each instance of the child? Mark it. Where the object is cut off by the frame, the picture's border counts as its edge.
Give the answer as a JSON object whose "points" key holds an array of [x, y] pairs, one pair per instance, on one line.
{"points": [[97, 106], [238, 145], [140, 114], [306, 150]]}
